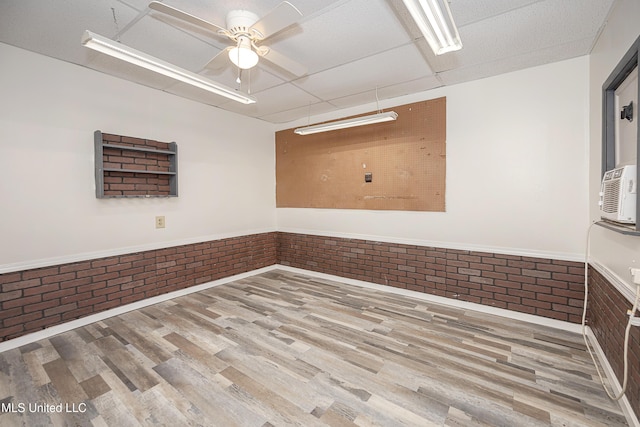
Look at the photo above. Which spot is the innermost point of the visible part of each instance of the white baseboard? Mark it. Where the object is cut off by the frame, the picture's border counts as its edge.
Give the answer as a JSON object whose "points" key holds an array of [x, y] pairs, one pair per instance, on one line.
{"points": [[613, 379], [537, 320]]}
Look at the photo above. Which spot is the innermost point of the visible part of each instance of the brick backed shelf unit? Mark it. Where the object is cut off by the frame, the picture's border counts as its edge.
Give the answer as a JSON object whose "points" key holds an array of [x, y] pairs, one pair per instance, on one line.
{"points": [[135, 167]]}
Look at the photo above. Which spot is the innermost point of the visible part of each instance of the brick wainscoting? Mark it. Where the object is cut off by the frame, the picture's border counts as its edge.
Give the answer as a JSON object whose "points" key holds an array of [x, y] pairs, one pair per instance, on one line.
{"points": [[540, 286], [607, 317], [32, 300]]}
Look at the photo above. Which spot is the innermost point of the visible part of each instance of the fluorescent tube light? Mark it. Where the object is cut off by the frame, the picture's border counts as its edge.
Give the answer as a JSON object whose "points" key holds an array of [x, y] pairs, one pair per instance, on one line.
{"points": [[434, 19], [135, 57], [348, 123]]}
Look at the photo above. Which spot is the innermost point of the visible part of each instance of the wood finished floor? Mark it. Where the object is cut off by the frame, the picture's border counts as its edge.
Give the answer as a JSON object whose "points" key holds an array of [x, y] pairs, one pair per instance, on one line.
{"points": [[284, 349]]}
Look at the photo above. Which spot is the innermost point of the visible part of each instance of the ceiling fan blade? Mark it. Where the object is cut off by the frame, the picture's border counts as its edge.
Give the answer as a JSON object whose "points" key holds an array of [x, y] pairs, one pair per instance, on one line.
{"points": [[219, 61], [187, 17], [284, 62], [281, 17]]}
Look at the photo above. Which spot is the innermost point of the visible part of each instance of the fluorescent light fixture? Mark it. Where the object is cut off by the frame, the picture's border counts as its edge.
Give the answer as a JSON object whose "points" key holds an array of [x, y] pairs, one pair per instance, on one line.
{"points": [[348, 123], [135, 57], [434, 19]]}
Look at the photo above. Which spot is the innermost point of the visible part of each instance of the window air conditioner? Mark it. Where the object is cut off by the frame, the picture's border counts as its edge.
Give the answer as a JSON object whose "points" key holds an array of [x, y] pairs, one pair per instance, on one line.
{"points": [[618, 195]]}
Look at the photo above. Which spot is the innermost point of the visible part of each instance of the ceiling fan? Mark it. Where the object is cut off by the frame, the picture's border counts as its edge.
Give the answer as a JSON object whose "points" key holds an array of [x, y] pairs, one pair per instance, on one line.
{"points": [[247, 30]]}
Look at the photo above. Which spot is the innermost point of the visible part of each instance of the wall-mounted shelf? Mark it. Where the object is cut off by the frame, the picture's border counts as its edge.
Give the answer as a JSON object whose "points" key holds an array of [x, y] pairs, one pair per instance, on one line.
{"points": [[134, 167]]}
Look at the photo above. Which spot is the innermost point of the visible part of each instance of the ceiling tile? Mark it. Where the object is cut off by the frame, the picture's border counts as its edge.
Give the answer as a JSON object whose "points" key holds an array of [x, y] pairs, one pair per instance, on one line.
{"points": [[273, 100], [298, 113], [393, 91], [177, 47], [353, 30], [55, 28], [514, 63], [367, 74], [469, 11]]}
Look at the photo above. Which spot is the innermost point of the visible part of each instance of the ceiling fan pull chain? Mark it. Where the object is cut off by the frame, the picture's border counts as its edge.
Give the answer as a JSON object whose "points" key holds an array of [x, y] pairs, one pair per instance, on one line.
{"points": [[239, 80]]}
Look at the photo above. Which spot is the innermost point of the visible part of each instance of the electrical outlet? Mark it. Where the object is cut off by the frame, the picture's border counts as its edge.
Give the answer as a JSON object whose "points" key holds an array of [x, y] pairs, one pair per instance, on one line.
{"points": [[160, 221], [635, 273]]}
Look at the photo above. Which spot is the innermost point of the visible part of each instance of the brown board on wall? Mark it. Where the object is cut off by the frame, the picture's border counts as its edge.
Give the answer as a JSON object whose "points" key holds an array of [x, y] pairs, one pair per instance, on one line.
{"points": [[406, 159]]}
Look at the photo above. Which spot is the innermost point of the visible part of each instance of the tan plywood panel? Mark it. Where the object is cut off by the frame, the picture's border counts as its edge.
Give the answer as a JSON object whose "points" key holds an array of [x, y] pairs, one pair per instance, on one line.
{"points": [[406, 159]]}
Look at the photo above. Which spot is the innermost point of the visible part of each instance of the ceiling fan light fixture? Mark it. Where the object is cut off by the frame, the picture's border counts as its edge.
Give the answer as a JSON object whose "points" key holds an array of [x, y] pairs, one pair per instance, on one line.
{"points": [[435, 21], [243, 57], [348, 123], [125, 53]]}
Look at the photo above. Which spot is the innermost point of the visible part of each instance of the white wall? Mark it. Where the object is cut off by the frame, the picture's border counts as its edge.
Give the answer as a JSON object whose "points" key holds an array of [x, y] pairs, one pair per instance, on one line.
{"points": [[48, 209], [614, 252], [517, 147], [516, 167]]}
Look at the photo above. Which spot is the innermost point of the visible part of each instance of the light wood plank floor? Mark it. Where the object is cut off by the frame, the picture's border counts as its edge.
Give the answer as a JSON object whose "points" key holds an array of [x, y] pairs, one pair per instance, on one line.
{"points": [[284, 349]]}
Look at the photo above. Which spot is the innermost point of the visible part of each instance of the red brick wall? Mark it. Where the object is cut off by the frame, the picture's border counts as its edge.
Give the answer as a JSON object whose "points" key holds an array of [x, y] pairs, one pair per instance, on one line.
{"points": [[540, 286], [32, 300], [134, 184], [607, 317]]}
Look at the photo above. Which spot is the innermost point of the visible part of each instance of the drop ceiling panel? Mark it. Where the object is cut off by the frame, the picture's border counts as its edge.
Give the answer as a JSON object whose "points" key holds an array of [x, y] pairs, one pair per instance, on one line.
{"points": [[273, 100], [367, 74], [519, 62], [470, 11], [353, 30], [177, 46], [404, 88], [55, 28], [300, 112], [134, 4]]}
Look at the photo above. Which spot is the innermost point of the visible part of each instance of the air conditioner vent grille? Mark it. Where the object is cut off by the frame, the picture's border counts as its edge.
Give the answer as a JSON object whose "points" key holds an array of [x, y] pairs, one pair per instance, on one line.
{"points": [[611, 199], [618, 195]]}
